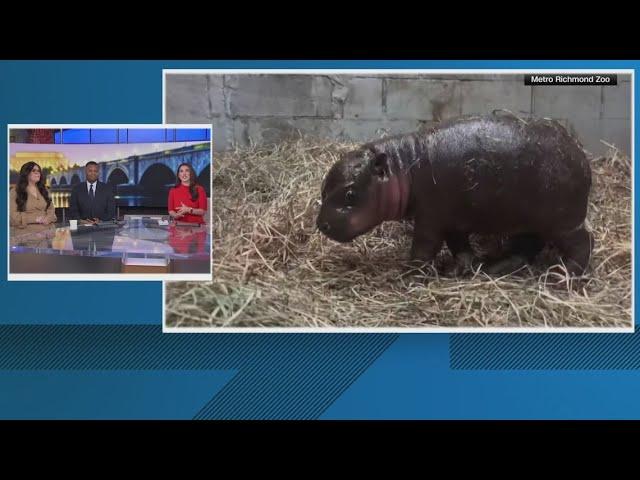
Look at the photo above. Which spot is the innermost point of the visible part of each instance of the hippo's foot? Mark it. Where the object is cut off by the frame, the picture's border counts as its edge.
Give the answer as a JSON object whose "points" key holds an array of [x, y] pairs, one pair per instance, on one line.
{"points": [[425, 251], [505, 266], [463, 256], [461, 266], [421, 259], [575, 250], [522, 250]]}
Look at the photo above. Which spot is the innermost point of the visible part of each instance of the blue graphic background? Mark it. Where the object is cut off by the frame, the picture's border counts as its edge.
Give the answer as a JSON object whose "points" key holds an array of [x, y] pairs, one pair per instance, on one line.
{"points": [[95, 350]]}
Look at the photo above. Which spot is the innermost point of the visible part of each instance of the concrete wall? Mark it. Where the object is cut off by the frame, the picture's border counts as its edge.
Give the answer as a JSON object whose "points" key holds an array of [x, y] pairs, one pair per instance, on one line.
{"points": [[262, 109]]}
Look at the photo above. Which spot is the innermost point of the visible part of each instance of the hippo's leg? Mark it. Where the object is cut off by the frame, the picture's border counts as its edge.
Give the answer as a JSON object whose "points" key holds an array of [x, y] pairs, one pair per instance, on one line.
{"points": [[521, 249], [427, 242], [575, 249], [527, 245], [462, 252]]}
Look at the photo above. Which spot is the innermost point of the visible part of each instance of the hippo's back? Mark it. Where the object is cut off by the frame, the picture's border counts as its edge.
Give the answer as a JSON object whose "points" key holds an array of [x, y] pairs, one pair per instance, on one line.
{"points": [[499, 173]]}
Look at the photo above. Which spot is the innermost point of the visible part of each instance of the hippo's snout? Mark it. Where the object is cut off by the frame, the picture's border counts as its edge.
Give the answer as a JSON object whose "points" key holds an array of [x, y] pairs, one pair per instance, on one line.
{"points": [[334, 232]]}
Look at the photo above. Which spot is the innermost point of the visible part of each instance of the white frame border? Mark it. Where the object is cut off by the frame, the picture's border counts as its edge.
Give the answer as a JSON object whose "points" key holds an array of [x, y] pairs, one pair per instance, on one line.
{"points": [[125, 277], [418, 71]]}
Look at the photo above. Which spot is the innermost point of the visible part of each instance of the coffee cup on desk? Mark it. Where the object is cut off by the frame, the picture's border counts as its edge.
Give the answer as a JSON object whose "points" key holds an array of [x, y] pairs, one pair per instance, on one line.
{"points": [[73, 224]]}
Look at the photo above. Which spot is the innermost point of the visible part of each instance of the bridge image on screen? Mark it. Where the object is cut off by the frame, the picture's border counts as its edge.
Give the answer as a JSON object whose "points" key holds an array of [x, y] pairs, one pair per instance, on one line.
{"points": [[140, 173]]}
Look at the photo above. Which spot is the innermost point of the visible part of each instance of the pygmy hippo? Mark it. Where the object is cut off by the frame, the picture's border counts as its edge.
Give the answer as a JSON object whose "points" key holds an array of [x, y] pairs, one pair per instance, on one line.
{"points": [[495, 174]]}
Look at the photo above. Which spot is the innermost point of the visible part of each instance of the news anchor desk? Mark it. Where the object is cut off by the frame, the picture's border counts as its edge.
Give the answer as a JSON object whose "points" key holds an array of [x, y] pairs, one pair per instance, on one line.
{"points": [[136, 245]]}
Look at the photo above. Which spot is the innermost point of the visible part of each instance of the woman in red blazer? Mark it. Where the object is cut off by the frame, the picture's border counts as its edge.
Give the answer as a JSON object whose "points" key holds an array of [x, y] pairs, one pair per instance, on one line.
{"points": [[187, 200]]}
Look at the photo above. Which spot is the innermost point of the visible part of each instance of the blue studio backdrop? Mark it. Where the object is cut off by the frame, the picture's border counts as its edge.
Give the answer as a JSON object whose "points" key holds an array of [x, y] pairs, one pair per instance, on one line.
{"points": [[95, 350]]}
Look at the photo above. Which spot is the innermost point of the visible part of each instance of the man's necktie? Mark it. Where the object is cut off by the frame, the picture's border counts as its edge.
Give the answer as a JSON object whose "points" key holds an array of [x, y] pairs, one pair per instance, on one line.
{"points": [[91, 194]]}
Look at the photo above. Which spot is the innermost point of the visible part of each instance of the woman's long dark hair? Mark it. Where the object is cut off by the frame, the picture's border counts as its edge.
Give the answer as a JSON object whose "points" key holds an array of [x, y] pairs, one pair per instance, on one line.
{"points": [[23, 181], [192, 181]]}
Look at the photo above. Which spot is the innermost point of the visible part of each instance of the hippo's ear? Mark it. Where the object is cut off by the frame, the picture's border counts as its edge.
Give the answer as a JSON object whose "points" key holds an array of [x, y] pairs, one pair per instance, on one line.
{"points": [[379, 165]]}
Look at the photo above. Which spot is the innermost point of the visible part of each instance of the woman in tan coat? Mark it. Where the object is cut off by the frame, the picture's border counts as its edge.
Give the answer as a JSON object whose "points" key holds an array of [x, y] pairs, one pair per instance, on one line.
{"points": [[30, 206]]}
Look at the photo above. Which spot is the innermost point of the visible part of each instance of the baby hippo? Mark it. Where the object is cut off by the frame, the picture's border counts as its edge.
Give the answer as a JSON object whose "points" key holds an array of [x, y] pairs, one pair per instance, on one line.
{"points": [[486, 175]]}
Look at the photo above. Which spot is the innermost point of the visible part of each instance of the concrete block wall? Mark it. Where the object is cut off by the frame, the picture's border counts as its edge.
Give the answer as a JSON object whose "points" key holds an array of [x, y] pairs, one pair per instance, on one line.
{"points": [[262, 109]]}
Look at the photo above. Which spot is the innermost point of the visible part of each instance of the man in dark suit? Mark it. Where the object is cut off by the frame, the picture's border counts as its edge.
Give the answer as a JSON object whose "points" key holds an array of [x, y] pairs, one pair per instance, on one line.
{"points": [[92, 201]]}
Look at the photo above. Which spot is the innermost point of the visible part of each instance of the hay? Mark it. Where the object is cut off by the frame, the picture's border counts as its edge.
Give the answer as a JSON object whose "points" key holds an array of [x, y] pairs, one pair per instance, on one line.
{"points": [[272, 268]]}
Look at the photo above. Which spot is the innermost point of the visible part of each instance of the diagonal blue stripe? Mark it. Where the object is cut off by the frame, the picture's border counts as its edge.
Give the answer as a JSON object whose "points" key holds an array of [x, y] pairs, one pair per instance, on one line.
{"points": [[106, 394], [355, 374], [512, 351], [117, 347], [270, 361], [279, 375], [318, 369]]}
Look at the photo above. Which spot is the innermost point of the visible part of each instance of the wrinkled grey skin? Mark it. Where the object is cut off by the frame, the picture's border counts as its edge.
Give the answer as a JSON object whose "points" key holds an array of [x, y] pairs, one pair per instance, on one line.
{"points": [[494, 174]]}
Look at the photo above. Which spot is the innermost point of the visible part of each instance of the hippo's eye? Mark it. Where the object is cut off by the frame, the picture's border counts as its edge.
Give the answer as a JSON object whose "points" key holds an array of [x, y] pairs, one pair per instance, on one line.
{"points": [[350, 197]]}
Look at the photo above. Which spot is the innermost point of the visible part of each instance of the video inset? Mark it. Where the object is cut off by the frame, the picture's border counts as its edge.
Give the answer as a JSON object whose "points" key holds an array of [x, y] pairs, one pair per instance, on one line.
{"points": [[110, 202]]}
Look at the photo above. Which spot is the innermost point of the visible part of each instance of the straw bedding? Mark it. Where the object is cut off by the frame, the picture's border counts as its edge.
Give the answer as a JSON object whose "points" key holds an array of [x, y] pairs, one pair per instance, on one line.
{"points": [[272, 268]]}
